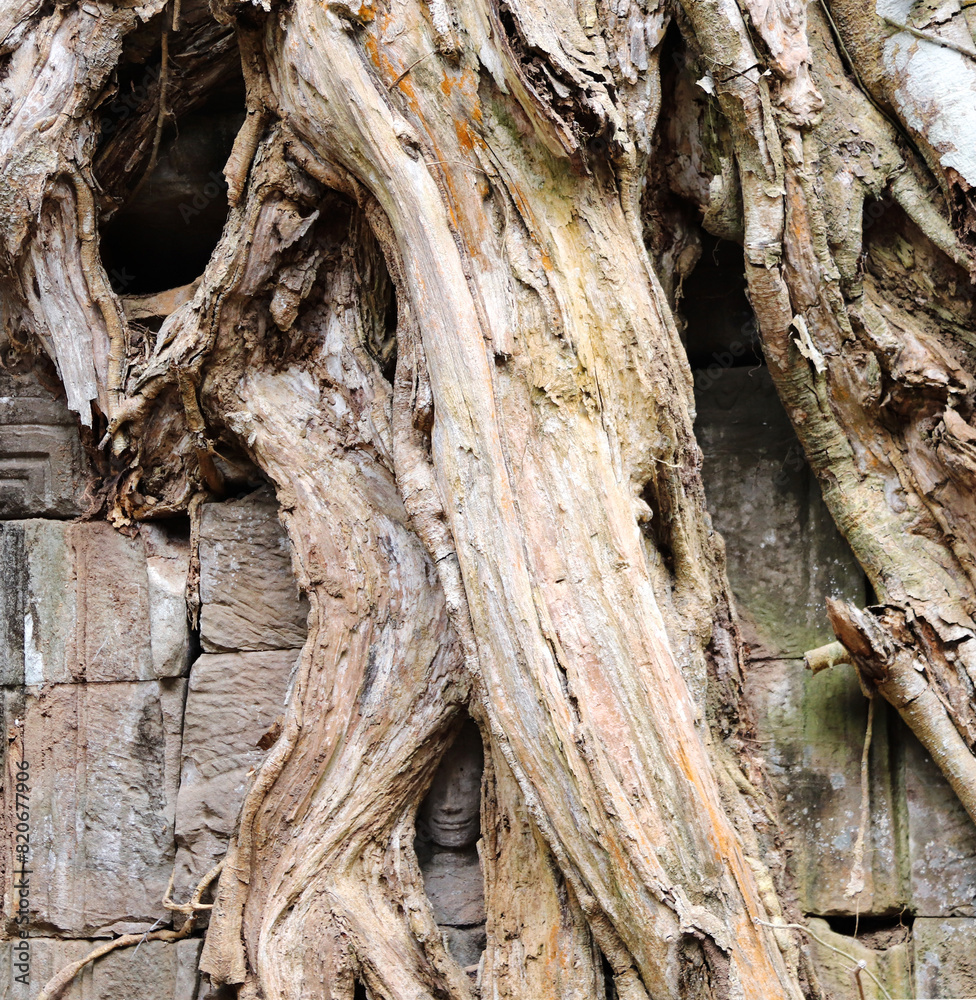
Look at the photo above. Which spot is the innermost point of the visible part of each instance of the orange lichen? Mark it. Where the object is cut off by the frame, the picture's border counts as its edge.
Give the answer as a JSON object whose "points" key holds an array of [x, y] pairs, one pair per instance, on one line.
{"points": [[465, 138]]}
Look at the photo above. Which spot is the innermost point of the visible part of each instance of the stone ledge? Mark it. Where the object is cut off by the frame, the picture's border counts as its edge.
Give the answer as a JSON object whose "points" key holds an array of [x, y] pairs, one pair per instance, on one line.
{"points": [[812, 728], [249, 598], [43, 468], [784, 553], [941, 838], [945, 957], [233, 699]]}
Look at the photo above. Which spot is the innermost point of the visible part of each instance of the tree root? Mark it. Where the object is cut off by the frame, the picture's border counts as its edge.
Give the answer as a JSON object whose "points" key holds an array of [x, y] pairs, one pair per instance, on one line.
{"points": [[162, 114], [856, 883], [57, 984], [823, 657], [928, 36]]}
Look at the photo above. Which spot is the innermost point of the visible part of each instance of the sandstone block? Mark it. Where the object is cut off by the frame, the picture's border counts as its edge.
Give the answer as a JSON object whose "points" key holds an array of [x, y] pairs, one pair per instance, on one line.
{"points": [[84, 602], [249, 597], [785, 556], [232, 702], [812, 727], [43, 469], [155, 970], [104, 768], [945, 957], [890, 964], [167, 549], [941, 839]]}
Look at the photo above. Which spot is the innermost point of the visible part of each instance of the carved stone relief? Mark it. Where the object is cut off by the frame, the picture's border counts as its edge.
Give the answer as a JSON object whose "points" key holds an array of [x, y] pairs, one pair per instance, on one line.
{"points": [[43, 471], [448, 830]]}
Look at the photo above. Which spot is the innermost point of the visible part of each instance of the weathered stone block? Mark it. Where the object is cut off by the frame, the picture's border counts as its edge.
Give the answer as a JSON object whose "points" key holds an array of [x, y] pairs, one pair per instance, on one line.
{"points": [[941, 836], [153, 970], [167, 549], [812, 727], [233, 700], [250, 600], [84, 602], [43, 469], [43, 958], [945, 957], [890, 965], [785, 556], [104, 767]]}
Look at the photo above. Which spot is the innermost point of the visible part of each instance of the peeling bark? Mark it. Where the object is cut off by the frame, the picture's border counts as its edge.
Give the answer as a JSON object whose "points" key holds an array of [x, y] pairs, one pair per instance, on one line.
{"points": [[492, 487]]}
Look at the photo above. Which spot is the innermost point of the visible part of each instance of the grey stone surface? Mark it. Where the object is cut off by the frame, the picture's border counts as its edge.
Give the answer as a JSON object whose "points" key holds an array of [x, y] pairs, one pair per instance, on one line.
{"points": [[455, 887], [812, 727], [84, 602], [891, 965], [250, 600], [942, 839], [155, 970], [104, 766], [465, 944], [38, 602], [167, 550], [785, 556], [43, 469], [44, 957], [945, 957], [232, 702], [448, 828]]}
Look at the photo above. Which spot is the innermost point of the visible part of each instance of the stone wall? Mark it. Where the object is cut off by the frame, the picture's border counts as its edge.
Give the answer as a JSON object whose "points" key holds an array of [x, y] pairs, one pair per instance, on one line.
{"points": [[139, 732], [918, 906]]}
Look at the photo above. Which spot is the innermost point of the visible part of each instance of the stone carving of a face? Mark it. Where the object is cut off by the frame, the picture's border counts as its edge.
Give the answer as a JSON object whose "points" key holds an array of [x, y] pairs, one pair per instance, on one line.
{"points": [[451, 812]]}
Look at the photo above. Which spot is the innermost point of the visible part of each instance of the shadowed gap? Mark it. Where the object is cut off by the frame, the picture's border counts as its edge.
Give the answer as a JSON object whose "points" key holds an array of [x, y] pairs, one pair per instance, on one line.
{"points": [[720, 328], [160, 228]]}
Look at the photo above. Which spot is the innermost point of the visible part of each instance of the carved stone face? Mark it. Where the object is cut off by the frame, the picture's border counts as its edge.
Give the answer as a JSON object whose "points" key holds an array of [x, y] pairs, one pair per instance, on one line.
{"points": [[451, 812]]}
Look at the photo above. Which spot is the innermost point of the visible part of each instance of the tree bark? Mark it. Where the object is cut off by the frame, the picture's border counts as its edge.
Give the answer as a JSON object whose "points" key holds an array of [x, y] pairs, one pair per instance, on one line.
{"points": [[509, 520]]}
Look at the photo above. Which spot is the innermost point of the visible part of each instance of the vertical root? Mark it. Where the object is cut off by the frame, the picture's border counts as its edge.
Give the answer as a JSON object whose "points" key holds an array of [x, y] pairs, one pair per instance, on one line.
{"points": [[855, 884], [162, 113], [98, 286]]}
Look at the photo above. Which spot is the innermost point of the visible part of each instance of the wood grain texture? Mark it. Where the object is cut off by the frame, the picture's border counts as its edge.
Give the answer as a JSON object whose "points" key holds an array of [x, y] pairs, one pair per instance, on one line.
{"points": [[492, 488]]}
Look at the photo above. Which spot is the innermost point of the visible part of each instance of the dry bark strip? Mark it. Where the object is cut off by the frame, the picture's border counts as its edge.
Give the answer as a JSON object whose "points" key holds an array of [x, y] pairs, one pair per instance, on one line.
{"points": [[516, 524]]}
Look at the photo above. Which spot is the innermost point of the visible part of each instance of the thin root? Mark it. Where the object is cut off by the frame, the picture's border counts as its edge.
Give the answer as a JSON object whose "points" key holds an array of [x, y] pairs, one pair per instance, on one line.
{"points": [[55, 987], [826, 944]]}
